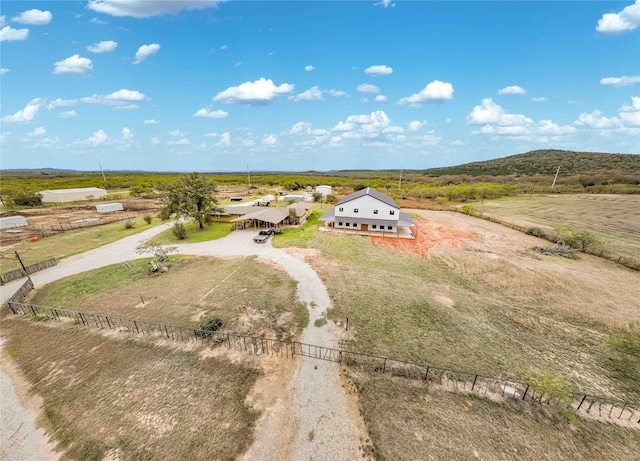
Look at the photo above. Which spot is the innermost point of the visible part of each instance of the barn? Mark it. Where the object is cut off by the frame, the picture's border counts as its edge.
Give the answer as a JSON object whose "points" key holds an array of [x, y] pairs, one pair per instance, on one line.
{"points": [[72, 195]]}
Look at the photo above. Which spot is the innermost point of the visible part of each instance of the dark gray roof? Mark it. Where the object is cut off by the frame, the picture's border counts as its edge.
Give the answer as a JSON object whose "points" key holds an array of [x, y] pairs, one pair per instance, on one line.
{"points": [[372, 193], [406, 220]]}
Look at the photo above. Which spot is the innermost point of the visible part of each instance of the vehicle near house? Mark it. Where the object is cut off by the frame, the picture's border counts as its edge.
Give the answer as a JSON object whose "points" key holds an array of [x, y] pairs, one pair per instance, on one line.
{"points": [[263, 236]]}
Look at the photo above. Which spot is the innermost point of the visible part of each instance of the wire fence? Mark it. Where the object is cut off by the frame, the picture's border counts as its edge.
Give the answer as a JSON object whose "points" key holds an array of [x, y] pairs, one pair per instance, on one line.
{"points": [[601, 407]]}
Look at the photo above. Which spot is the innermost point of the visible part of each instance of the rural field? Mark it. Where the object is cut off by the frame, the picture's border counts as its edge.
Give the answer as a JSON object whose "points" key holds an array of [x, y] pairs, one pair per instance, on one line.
{"points": [[615, 219], [466, 294]]}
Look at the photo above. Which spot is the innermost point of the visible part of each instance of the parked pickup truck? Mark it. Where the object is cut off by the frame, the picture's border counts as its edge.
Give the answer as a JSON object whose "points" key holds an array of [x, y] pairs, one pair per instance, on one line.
{"points": [[263, 236]]}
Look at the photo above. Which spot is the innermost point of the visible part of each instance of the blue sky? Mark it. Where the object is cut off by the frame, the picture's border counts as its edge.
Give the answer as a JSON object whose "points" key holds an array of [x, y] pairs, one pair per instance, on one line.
{"points": [[202, 85]]}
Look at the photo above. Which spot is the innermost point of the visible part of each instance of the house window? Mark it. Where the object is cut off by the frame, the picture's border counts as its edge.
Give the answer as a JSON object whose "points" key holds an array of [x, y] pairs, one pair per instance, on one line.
{"points": [[340, 209], [355, 210], [373, 227], [375, 211], [340, 223], [389, 227], [392, 212], [346, 224]]}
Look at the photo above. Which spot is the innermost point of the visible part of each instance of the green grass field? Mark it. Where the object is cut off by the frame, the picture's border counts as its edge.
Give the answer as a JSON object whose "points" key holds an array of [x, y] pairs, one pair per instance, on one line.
{"points": [[211, 231]]}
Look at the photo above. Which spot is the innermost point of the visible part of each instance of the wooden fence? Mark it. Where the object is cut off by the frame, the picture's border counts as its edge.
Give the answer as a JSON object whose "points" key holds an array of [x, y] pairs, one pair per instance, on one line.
{"points": [[22, 293], [30, 269], [459, 380]]}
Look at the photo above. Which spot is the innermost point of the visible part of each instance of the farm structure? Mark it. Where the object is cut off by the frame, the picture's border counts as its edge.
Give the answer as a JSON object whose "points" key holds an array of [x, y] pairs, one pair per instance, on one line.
{"points": [[368, 210], [296, 213], [72, 195], [109, 207], [324, 190], [11, 222]]}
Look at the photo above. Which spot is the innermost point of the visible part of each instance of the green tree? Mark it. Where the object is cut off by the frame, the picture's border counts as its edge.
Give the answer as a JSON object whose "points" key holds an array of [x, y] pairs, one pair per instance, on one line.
{"points": [[192, 196]]}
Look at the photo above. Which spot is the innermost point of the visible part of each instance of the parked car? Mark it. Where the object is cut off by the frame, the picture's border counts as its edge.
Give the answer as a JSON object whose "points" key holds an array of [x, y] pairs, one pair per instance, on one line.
{"points": [[263, 236]]}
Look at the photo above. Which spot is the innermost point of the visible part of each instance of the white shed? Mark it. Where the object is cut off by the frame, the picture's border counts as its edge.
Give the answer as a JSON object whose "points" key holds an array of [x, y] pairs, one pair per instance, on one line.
{"points": [[72, 195], [109, 207], [324, 190], [12, 221]]}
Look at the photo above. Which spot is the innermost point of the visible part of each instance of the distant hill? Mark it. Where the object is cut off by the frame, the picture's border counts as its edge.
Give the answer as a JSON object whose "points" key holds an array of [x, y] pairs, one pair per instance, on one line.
{"points": [[546, 162]]}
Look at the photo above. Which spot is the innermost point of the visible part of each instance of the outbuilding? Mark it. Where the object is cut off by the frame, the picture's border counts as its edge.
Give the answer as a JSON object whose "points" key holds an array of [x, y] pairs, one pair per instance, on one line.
{"points": [[11, 222], [72, 195], [109, 207], [324, 190]]}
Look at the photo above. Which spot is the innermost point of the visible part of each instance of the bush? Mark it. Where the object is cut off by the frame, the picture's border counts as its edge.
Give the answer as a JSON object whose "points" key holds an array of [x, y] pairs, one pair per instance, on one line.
{"points": [[468, 209], [129, 224], [27, 200], [147, 218], [179, 230], [209, 326]]}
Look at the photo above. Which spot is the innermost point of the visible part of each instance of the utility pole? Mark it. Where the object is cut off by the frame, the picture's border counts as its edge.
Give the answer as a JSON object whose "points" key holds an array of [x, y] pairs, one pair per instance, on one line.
{"points": [[103, 177], [400, 181], [22, 264], [248, 176], [555, 177]]}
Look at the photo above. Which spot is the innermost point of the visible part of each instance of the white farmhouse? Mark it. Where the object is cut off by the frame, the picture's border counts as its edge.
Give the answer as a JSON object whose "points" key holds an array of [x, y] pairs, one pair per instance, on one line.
{"points": [[368, 210]]}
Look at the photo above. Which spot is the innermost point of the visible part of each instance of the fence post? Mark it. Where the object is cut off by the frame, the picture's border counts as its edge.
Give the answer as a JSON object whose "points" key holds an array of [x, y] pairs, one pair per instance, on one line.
{"points": [[293, 348], [229, 340], [525, 392], [136, 325], [581, 402], [426, 375], [384, 366], [474, 383]]}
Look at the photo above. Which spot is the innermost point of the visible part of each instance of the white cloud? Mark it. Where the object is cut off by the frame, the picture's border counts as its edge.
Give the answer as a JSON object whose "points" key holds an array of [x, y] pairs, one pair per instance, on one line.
{"points": [[151, 122], [415, 125], [368, 88], [98, 138], [98, 21], [386, 3], [269, 139], [126, 95], [155, 141], [615, 23], [28, 113], [631, 114], [434, 92], [539, 99], [147, 8], [260, 92], [621, 81], [309, 68], [225, 139], [180, 142], [4, 70], [343, 126], [381, 98], [145, 51], [73, 65], [393, 129], [62, 103], [596, 120], [378, 70], [68, 114], [515, 89], [126, 107], [224, 47], [300, 128], [39, 131], [177, 133], [127, 134], [491, 113], [547, 127], [337, 93], [312, 94], [9, 34], [34, 17], [208, 113], [102, 47]]}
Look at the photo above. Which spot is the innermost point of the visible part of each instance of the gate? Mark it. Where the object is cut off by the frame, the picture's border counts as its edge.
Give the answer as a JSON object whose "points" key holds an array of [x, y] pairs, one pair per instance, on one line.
{"points": [[316, 352]]}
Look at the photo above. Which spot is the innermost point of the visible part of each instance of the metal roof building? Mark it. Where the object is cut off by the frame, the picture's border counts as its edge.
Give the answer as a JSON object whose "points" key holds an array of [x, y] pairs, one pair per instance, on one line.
{"points": [[72, 195]]}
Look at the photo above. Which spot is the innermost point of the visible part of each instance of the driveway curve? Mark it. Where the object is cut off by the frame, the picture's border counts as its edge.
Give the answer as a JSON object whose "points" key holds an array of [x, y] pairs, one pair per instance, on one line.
{"points": [[315, 419]]}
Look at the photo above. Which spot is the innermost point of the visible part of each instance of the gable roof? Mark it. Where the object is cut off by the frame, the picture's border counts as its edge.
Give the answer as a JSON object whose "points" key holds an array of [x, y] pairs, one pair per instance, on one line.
{"points": [[372, 193]]}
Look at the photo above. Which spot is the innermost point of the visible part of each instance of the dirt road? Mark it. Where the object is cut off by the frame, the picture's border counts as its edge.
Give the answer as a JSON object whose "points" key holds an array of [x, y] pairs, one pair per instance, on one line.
{"points": [[316, 419]]}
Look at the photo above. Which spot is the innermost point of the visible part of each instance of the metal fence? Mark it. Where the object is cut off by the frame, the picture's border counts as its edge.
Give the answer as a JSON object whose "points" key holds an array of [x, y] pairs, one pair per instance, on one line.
{"points": [[30, 269], [459, 380]]}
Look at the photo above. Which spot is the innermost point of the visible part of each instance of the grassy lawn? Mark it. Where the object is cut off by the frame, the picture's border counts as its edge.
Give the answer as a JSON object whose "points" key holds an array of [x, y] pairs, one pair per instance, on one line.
{"points": [[407, 420], [212, 231], [302, 236], [248, 296], [615, 219], [113, 398], [72, 242]]}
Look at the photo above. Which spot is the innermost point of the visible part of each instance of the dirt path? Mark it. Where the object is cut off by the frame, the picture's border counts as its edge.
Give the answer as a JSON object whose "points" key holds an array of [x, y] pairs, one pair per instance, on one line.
{"points": [[315, 418]]}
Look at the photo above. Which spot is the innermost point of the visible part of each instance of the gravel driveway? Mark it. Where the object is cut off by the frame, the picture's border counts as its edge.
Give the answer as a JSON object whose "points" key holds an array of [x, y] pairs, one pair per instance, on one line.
{"points": [[316, 420]]}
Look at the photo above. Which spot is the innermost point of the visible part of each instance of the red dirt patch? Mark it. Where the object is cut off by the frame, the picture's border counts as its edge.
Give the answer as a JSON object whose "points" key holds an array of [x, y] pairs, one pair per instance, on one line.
{"points": [[429, 234]]}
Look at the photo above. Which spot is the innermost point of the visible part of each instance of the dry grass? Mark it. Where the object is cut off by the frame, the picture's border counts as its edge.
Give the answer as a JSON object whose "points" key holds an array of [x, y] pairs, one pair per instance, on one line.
{"points": [[491, 306], [407, 420], [250, 297], [613, 218], [130, 399]]}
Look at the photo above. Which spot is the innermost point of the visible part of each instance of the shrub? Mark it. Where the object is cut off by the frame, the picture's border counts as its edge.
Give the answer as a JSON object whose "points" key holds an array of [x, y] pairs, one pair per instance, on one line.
{"points": [[129, 224], [468, 209], [179, 230], [147, 218], [27, 200], [210, 325]]}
